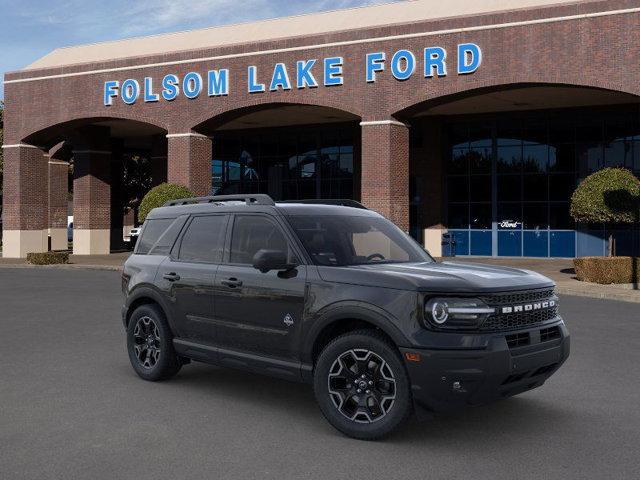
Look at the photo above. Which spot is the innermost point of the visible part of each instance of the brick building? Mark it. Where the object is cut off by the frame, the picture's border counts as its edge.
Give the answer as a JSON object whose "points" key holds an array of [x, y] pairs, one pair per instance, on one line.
{"points": [[474, 117]]}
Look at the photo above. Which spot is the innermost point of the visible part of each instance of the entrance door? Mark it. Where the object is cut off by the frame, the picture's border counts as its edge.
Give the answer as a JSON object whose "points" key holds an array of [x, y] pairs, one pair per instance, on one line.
{"points": [[259, 313]]}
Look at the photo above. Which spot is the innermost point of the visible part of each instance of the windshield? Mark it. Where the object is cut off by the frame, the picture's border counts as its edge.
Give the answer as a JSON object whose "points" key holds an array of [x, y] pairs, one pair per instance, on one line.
{"points": [[339, 240]]}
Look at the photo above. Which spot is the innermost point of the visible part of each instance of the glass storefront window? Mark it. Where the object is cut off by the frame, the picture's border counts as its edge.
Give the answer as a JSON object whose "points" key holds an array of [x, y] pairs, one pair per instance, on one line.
{"points": [[510, 159], [286, 163], [539, 158], [480, 216]]}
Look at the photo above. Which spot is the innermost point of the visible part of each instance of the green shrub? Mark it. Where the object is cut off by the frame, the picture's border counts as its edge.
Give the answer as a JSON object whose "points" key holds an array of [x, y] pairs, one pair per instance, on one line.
{"points": [[607, 270], [611, 195], [48, 258], [158, 196]]}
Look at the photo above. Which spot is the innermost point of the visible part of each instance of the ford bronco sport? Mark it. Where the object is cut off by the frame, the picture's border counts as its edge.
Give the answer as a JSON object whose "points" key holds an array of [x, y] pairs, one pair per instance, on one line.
{"points": [[335, 295]]}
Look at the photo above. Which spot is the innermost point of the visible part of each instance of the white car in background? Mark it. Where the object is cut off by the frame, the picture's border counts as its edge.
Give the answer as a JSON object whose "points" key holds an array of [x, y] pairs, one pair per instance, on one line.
{"points": [[133, 237]]}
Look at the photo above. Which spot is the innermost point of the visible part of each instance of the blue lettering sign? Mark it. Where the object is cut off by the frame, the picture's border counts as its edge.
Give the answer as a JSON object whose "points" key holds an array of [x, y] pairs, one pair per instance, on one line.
{"points": [[469, 58], [149, 96], [333, 71], [130, 91], [280, 78], [218, 81], [375, 63], [304, 77], [192, 85], [434, 58], [110, 92], [170, 87], [254, 87], [403, 64]]}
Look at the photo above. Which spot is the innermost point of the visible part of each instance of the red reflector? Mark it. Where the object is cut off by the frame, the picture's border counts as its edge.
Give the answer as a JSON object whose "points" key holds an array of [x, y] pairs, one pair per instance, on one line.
{"points": [[412, 357]]}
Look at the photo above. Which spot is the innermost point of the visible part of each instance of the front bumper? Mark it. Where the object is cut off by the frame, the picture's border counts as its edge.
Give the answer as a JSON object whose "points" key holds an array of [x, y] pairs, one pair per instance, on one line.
{"points": [[445, 379]]}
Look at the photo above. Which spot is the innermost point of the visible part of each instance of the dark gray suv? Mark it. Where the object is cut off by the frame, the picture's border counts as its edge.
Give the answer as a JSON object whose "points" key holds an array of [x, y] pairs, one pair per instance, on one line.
{"points": [[335, 295]]}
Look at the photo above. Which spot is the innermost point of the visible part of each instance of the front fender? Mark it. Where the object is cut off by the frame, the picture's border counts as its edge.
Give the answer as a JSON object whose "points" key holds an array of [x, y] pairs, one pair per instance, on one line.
{"points": [[351, 310]]}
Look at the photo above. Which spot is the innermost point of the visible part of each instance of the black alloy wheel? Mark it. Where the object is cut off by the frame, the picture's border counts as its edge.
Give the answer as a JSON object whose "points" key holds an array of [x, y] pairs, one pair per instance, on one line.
{"points": [[150, 344], [362, 386]]}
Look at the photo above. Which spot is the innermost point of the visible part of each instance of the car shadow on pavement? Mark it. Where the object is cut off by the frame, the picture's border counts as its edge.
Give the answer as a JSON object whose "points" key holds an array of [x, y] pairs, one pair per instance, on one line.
{"points": [[523, 415]]}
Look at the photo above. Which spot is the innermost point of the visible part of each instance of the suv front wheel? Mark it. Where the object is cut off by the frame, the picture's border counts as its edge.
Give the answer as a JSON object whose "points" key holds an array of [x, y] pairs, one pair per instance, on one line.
{"points": [[361, 385], [150, 344]]}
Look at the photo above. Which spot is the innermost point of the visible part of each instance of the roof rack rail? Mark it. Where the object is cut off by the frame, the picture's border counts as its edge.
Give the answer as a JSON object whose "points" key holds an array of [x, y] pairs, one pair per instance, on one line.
{"points": [[256, 199], [340, 202]]}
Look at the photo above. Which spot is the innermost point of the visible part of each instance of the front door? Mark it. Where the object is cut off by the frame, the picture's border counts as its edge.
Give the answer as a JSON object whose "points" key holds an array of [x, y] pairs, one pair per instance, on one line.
{"points": [[188, 277], [259, 313]]}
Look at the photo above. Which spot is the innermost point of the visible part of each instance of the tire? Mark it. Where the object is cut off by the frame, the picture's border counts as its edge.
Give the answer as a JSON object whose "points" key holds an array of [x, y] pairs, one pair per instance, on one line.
{"points": [[150, 344], [369, 407]]}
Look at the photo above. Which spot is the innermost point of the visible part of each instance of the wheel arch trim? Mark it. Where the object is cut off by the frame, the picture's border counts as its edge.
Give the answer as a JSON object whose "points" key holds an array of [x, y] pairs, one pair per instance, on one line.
{"points": [[364, 312]]}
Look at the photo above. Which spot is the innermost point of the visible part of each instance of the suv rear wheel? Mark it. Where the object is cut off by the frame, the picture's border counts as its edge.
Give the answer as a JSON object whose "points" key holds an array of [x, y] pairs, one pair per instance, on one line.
{"points": [[150, 346], [361, 385]]}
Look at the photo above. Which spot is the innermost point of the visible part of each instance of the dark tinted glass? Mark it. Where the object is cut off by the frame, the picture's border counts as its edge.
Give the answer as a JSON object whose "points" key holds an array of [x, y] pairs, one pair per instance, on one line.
{"points": [[535, 216], [168, 238], [458, 189], [458, 216], [151, 233], [252, 233], [480, 215], [204, 239], [481, 188], [344, 240]]}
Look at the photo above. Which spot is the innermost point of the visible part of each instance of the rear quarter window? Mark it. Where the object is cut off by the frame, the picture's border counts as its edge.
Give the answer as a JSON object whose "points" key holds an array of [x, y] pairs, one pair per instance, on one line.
{"points": [[151, 232]]}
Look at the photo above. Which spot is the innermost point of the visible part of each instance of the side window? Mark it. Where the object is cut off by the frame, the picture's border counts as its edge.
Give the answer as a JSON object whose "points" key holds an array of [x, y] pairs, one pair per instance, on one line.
{"points": [[204, 239], [168, 238], [151, 233], [252, 233]]}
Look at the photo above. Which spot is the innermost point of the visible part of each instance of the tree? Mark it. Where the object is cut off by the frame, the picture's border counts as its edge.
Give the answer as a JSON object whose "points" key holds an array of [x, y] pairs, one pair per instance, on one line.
{"points": [[611, 195], [136, 180], [161, 194]]}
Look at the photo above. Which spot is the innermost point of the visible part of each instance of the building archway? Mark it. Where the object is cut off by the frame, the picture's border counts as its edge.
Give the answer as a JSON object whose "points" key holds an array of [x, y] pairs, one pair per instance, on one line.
{"points": [[289, 151], [113, 162], [496, 167]]}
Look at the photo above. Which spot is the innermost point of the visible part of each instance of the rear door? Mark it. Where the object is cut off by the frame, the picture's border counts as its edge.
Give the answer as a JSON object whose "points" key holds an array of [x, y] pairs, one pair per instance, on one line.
{"points": [[259, 313], [187, 276]]}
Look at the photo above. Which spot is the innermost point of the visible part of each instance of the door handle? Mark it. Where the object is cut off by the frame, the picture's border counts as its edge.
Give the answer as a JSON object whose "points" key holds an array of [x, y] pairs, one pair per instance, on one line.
{"points": [[232, 283], [171, 276]]}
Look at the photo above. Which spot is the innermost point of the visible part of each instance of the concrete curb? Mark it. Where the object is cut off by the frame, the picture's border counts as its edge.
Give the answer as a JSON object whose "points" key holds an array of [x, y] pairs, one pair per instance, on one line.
{"points": [[628, 296], [68, 266]]}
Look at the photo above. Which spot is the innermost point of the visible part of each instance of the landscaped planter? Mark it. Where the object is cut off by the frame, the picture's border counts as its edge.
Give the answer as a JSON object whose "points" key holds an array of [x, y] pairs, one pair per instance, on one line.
{"points": [[48, 258], [607, 270]]}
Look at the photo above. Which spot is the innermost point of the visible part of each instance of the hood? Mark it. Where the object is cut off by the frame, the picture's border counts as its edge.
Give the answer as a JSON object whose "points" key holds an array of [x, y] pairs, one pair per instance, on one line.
{"points": [[445, 277]]}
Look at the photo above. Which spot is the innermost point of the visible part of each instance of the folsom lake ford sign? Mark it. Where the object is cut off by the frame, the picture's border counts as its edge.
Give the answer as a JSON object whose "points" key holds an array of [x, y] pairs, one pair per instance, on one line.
{"points": [[308, 73]]}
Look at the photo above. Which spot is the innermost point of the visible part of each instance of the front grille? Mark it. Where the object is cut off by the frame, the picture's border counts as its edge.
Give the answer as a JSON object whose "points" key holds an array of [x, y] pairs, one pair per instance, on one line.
{"points": [[514, 320], [508, 321], [515, 298]]}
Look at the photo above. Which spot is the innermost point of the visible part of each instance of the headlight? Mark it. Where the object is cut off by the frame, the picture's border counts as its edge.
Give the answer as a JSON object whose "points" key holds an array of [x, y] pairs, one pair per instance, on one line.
{"points": [[457, 313]]}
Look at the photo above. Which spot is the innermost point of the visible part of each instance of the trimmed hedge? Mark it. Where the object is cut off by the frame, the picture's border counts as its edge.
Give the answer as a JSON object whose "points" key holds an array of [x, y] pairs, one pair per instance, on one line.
{"points": [[48, 258], [611, 195], [159, 195], [607, 270]]}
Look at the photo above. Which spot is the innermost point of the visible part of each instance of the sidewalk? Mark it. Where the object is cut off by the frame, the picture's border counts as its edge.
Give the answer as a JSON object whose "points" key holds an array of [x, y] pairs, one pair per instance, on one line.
{"points": [[113, 261], [559, 270]]}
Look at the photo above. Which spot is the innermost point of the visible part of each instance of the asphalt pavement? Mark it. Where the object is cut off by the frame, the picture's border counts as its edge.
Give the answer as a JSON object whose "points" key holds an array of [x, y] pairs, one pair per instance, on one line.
{"points": [[72, 408]]}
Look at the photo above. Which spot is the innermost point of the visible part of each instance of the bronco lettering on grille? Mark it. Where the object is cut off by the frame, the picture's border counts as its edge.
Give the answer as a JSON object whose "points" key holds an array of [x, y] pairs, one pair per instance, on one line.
{"points": [[529, 307]]}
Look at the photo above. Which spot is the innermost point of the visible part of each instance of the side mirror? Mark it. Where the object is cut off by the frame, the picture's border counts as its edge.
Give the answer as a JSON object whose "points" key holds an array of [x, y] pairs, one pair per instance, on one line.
{"points": [[266, 260]]}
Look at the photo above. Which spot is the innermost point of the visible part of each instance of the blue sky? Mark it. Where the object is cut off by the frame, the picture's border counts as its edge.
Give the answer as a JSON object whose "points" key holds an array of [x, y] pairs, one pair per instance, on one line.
{"points": [[30, 29]]}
